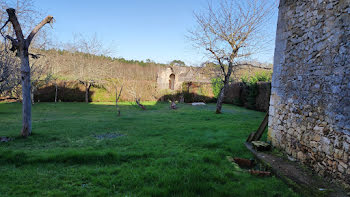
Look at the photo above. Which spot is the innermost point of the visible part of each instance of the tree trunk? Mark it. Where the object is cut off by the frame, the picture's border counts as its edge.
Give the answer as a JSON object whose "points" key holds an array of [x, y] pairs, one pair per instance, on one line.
{"points": [[26, 92], [87, 95], [117, 96], [87, 92], [56, 92], [222, 92], [116, 101], [173, 105], [220, 99]]}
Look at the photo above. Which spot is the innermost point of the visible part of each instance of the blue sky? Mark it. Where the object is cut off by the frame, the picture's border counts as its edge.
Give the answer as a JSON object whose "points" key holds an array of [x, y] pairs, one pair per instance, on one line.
{"points": [[134, 29]]}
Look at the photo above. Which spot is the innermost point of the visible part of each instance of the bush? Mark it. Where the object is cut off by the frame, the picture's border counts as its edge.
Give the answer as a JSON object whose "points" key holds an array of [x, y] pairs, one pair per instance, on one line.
{"points": [[217, 84], [238, 102], [264, 76], [251, 86]]}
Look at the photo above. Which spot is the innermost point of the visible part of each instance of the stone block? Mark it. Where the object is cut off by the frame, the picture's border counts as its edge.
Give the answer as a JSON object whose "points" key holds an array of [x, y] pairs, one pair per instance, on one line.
{"points": [[338, 154], [343, 164], [301, 156], [341, 169], [346, 157], [313, 144], [317, 138]]}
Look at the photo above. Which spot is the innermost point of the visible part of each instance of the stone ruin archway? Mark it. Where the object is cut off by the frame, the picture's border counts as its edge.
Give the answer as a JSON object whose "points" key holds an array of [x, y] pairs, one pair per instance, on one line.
{"points": [[172, 82]]}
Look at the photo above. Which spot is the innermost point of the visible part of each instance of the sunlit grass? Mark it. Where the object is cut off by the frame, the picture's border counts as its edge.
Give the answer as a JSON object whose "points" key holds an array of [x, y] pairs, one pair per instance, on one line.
{"points": [[160, 152]]}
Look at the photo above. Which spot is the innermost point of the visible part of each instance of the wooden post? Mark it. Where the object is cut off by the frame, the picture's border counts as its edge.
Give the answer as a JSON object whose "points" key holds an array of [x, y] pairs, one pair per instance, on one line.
{"points": [[255, 136]]}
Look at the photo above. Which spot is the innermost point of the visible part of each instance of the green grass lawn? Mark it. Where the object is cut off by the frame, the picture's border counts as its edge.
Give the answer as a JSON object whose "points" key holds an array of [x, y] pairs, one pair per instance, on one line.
{"points": [[160, 153]]}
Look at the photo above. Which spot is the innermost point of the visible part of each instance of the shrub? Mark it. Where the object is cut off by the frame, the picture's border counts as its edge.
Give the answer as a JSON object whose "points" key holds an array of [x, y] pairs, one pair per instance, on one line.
{"points": [[264, 76], [251, 86], [217, 84]]}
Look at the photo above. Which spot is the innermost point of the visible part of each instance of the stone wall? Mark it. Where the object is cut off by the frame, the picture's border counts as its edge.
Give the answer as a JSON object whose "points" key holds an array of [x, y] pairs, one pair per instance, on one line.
{"points": [[203, 74], [310, 100], [182, 74]]}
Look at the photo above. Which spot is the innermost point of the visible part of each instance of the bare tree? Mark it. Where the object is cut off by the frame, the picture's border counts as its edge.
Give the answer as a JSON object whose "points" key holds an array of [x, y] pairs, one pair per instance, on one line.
{"points": [[27, 14], [53, 79], [87, 67], [115, 82], [40, 76], [139, 104], [230, 32], [8, 70], [117, 97], [10, 66], [132, 91], [88, 84], [20, 45], [55, 68], [10, 74]]}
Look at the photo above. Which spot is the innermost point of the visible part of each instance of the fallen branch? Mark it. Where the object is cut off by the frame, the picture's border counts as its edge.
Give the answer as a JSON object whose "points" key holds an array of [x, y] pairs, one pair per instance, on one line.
{"points": [[260, 173], [139, 104]]}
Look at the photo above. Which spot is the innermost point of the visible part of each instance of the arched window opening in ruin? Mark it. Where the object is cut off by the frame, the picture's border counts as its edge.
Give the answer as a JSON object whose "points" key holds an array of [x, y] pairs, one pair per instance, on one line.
{"points": [[172, 82]]}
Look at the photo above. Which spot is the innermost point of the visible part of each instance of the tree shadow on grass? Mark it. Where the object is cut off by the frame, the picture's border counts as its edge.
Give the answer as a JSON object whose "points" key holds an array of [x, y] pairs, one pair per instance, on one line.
{"points": [[186, 97], [72, 157], [65, 93]]}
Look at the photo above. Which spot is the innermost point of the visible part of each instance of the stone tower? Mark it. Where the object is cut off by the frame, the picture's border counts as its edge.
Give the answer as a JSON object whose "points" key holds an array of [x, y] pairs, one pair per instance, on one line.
{"points": [[310, 101]]}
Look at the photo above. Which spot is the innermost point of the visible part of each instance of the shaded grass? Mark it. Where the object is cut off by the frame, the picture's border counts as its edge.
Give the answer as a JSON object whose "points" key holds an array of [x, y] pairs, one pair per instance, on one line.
{"points": [[161, 153]]}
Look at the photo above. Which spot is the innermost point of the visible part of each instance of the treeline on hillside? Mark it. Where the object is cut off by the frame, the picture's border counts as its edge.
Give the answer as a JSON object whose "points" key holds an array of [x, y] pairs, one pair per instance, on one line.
{"points": [[74, 75], [139, 79], [62, 75], [72, 70], [148, 62], [77, 65]]}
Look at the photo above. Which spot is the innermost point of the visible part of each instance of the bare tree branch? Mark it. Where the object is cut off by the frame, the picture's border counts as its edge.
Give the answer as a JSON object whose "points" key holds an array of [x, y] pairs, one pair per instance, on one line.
{"points": [[16, 26], [47, 20]]}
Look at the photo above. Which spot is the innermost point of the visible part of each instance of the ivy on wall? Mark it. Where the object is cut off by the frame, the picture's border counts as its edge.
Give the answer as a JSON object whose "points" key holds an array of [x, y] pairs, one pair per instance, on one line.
{"points": [[251, 86]]}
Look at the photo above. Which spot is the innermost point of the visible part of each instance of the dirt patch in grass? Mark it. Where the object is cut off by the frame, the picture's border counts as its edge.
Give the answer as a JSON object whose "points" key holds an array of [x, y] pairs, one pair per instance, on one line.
{"points": [[108, 136]]}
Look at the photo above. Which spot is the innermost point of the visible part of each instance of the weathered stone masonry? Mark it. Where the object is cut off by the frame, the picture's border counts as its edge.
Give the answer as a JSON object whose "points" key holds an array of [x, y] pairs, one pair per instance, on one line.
{"points": [[310, 100]]}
